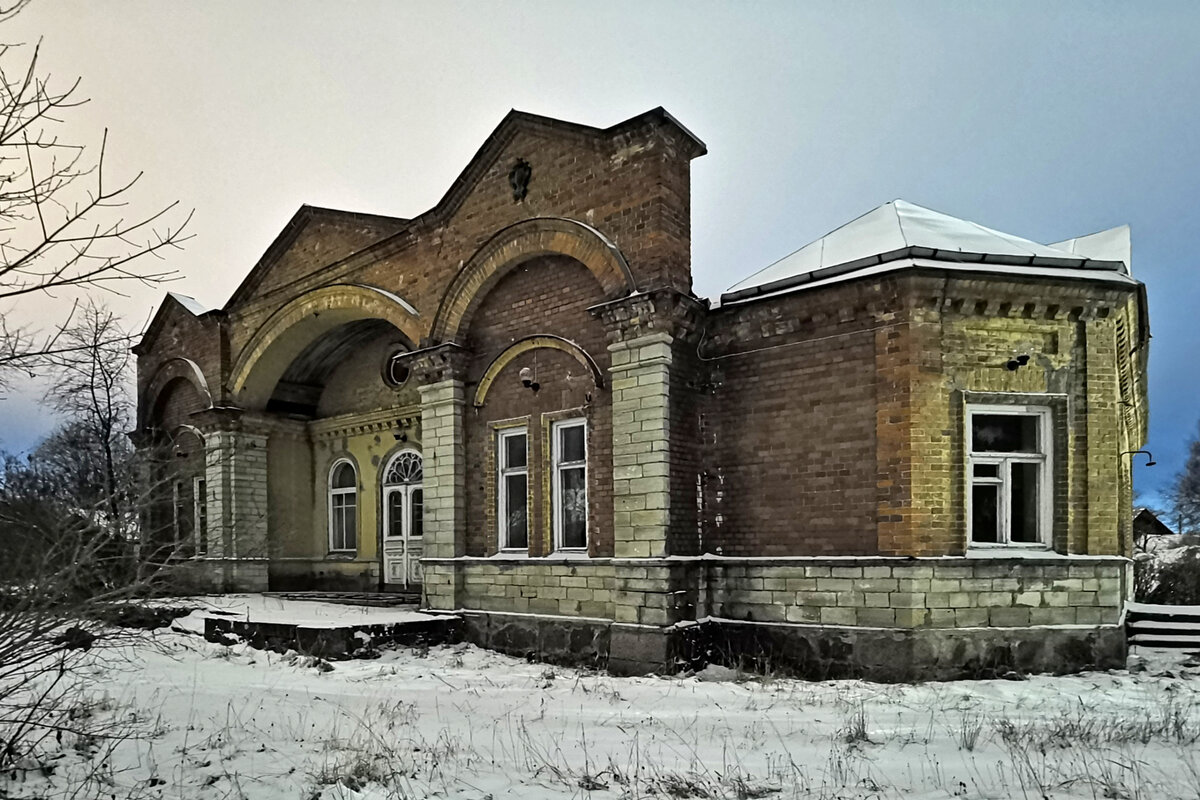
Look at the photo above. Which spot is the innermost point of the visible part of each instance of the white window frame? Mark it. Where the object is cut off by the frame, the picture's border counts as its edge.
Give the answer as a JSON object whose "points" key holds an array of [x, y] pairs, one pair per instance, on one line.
{"points": [[503, 473], [557, 468], [1004, 461], [330, 493], [200, 513], [176, 512]]}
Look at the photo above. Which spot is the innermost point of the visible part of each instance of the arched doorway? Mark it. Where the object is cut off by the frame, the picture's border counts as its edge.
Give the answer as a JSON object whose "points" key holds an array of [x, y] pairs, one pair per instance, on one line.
{"points": [[403, 507]]}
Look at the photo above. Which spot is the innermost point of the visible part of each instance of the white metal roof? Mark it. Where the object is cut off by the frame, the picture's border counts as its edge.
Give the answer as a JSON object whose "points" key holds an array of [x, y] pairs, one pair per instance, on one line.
{"points": [[189, 303], [904, 235]]}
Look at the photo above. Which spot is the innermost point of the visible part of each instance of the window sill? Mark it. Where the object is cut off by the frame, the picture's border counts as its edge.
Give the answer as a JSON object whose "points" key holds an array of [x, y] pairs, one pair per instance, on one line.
{"points": [[1011, 551], [341, 555], [514, 552]]}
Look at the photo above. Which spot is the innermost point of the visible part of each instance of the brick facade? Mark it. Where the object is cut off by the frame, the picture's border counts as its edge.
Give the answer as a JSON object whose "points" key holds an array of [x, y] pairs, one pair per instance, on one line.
{"points": [[796, 460]]}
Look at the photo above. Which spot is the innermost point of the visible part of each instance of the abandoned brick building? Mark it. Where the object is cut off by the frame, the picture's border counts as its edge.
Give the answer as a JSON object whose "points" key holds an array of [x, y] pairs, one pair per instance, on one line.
{"points": [[901, 451]]}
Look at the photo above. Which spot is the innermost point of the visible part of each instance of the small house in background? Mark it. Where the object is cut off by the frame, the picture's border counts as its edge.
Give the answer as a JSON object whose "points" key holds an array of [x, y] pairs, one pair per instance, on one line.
{"points": [[1151, 534], [902, 451]]}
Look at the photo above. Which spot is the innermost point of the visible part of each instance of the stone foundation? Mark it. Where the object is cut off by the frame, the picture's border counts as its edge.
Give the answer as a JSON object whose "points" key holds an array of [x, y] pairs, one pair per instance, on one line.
{"points": [[888, 619]]}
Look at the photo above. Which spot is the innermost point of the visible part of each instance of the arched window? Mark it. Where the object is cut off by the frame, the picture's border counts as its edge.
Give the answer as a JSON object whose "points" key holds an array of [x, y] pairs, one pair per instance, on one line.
{"points": [[343, 507]]}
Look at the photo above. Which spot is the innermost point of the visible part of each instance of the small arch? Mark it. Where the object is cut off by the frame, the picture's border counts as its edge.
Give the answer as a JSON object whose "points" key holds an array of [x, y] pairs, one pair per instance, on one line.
{"points": [[179, 430], [404, 467], [518, 243], [304, 320], [520, 346], [177, 368]]}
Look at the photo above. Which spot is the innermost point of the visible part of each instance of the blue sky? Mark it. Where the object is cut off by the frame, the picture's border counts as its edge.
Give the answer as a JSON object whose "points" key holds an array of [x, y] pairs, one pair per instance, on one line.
{"points": [[1043, 120]]}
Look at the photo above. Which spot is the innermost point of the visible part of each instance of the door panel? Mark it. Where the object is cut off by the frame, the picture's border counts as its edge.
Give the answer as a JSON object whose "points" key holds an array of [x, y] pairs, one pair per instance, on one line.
{"points": [[403, 524]]}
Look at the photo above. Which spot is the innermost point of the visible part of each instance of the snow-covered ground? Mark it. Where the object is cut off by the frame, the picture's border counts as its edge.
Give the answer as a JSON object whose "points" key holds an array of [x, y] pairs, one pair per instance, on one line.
{"points": [[201, 720]]}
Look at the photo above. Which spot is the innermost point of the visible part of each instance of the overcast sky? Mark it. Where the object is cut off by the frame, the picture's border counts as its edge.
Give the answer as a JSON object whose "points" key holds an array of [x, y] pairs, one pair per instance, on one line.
{"points": [[1043, 120]]}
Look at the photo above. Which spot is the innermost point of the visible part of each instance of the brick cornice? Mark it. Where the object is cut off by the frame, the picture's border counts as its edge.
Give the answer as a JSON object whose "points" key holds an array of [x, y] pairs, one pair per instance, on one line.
{"points": [[666, 310]]}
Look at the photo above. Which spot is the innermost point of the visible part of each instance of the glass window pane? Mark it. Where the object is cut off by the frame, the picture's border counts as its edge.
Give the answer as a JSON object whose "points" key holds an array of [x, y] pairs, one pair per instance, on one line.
{"points": [[1004, 433], [395, 514], [985, 517], [1024, 493], [572, 447], [351, 516], [573, 499], [516, 522], [416, 505], [987, 470], [514, 451], [343, 476]]}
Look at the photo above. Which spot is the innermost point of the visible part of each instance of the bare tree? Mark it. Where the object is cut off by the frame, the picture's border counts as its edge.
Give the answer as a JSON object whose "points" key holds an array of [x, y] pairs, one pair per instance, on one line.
{"points": [[90, 387], [63, 220], [1185, 494], [69, 551]]}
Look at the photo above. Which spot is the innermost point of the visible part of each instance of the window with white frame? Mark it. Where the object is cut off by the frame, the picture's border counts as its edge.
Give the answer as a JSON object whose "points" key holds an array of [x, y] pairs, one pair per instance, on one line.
{"points": [[513, 489], [180, 514], [1009, 475], [200, 515], [343, 507], [569, 484]]}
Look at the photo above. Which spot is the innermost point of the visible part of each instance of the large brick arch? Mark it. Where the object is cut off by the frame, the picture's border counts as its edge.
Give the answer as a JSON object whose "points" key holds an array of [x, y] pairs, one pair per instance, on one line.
{"points": [[286, 333], [513, 246], [168, 372]]}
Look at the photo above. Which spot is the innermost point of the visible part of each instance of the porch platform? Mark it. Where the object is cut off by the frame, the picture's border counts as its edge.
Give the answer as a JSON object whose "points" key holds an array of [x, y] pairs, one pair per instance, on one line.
{"points": [[335, 625]]}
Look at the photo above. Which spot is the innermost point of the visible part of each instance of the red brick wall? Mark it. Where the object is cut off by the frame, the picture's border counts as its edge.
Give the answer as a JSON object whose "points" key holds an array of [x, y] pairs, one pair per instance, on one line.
{"points": [[632, 187], [178, 400], [547, 296], [791, 436]]}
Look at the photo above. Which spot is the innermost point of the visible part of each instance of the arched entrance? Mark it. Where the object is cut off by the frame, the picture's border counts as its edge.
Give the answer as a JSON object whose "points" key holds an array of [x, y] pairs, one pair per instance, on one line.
{"points": [[403, 509]]}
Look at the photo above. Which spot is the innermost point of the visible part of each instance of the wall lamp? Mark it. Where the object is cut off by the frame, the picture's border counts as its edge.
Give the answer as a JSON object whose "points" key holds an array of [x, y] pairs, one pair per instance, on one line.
{"points": [[527, 380], [1015, 363], [1150, 462]]}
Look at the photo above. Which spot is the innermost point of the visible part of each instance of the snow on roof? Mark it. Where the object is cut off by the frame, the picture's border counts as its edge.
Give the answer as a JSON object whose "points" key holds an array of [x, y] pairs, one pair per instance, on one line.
{"points": [[900, 233], [189, 303]]}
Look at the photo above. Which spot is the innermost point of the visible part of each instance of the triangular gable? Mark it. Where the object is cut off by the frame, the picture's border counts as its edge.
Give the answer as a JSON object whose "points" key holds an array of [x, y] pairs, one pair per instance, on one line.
{"points": [[313, 238], [516, 122], [513, 124], [173, 303]]}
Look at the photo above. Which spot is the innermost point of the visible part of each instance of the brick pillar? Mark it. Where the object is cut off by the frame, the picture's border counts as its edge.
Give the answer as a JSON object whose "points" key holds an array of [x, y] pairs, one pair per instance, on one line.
{"points": [[1105, 461], [236, 477], [641, 445]]}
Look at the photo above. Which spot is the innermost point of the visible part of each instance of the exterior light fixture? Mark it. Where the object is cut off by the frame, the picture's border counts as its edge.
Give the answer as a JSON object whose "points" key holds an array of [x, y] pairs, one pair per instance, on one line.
{"points": [[1150, 462], [527, 380], [1015, 363]]}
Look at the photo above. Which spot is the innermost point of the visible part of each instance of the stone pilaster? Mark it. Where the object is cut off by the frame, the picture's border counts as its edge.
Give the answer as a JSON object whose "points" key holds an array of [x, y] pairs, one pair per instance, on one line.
{"points": [[236, 477], [439, 370], [641, 375], [643, 331]]}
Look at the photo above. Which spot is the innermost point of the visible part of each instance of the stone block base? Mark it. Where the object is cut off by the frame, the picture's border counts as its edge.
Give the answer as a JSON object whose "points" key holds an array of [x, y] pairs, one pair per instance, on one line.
{"points": [[804, 651], [557, 640], [889, 656]]}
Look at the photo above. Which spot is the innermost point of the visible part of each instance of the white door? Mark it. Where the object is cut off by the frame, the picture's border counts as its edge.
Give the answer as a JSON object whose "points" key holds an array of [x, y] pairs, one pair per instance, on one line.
{"points": [[403, 507]]}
